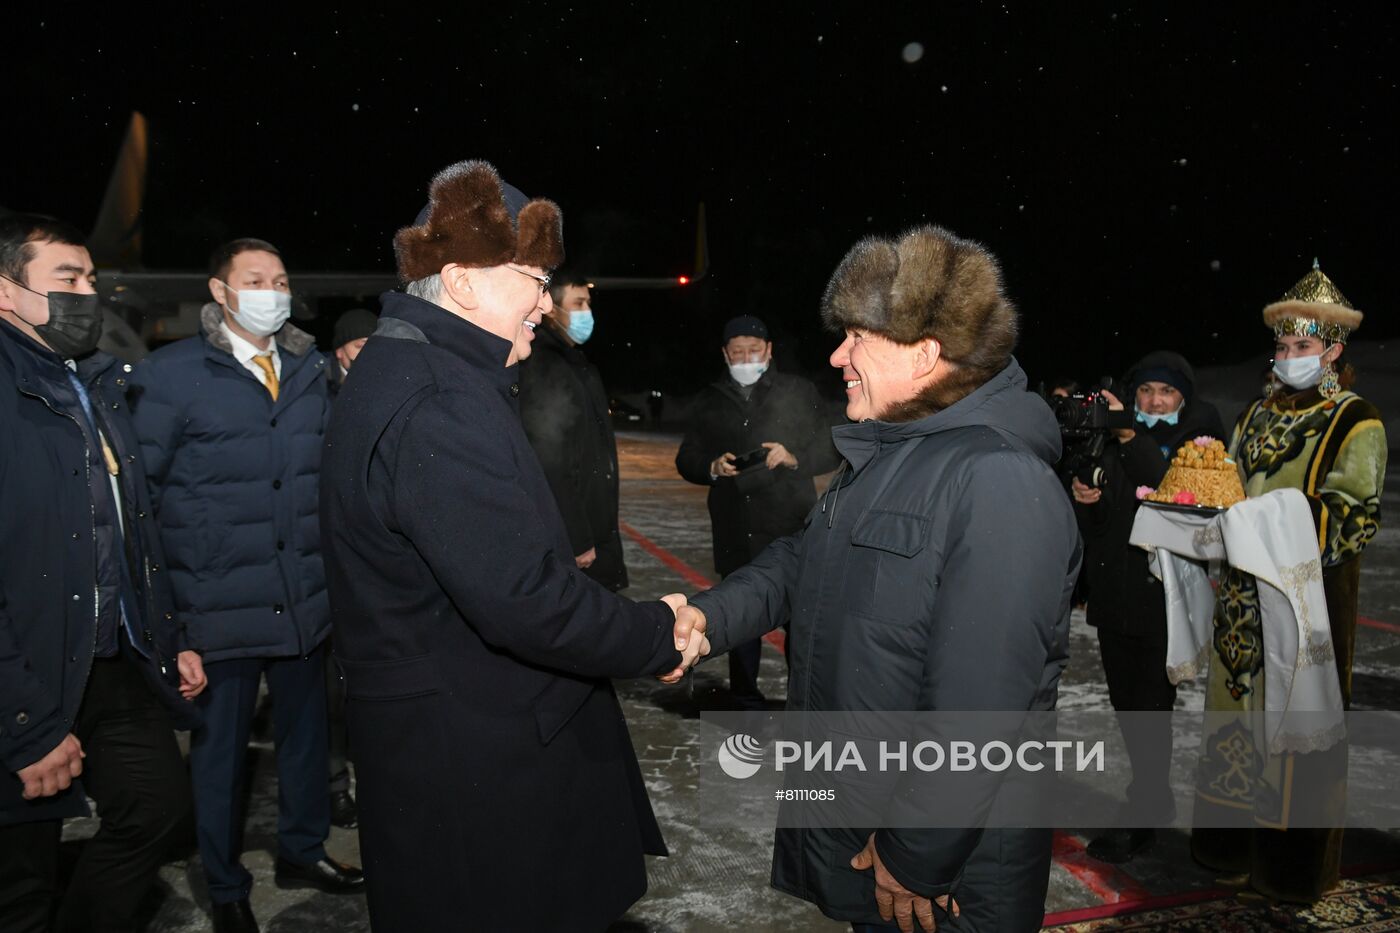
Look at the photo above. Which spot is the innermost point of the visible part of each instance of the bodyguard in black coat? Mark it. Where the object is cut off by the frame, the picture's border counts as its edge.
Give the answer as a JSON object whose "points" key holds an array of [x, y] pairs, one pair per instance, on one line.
{"points": [[498, 788], [91, 663], [564, 408], [1126, 602], [749, 511], [778, 416]]}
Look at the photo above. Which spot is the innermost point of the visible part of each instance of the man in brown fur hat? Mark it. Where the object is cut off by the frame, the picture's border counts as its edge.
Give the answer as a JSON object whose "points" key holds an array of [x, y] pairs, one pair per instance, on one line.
{"points": [[493, 761], [954, 553]]}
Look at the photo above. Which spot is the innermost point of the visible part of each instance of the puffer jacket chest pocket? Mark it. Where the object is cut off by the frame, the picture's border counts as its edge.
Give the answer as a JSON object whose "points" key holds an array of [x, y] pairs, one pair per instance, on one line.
{"points": [[896, 532], [886, 577]]}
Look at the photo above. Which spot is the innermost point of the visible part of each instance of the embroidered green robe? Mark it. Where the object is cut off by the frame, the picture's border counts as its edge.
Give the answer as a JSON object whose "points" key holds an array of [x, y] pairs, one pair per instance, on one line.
{"points": [[1334, 450]]}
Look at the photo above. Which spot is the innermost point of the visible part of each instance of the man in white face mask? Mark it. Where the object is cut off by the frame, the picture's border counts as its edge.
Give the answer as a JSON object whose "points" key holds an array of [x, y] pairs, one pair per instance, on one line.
{"points": [[231, 423], [565, 412], [756, 439]]}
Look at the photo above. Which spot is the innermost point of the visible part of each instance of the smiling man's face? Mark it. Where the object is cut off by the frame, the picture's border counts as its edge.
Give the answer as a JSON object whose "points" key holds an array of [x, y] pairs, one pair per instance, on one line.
{"points": [[509, 303], [879, 373]]}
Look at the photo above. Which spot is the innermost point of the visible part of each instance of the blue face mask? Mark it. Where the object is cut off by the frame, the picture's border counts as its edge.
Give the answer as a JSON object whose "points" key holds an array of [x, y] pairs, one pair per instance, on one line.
{"points": [[580, 326], [1152, 420]]}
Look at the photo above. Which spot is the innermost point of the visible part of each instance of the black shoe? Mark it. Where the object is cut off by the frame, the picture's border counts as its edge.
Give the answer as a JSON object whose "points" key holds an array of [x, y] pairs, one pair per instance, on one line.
{"points": [[343, 811], [750, 703], [328, 875], [1117, 846], [233, 917]]}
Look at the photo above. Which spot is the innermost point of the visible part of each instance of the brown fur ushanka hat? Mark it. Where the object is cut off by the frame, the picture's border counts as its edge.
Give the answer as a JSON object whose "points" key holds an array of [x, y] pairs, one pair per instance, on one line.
{"points": [[929, 283], [468, 222]]}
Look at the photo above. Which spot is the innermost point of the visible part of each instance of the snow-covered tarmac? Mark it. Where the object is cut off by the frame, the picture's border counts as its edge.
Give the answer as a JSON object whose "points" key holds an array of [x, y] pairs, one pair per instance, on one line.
{"points": [[716, 880]]}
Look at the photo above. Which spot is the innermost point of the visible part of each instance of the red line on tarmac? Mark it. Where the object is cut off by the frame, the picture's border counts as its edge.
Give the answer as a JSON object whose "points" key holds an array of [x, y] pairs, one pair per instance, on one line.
{"points": [[1108, 884], [1372, 623], [1083, 914], [689, 574], [1120, 893]]}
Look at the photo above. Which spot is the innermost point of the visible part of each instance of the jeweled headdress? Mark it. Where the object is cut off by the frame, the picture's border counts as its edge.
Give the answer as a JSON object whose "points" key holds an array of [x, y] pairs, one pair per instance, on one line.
{"points": [[1315, 307]]}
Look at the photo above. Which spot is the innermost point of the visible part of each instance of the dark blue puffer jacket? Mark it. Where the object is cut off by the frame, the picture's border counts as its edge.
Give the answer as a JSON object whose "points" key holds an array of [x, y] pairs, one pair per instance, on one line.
{"points": [[53, 561], [234, 479]]}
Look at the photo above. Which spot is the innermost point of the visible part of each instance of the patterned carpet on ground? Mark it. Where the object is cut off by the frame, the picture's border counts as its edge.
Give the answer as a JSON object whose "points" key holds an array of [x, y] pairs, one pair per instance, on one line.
{"points": [[1363, 904]]}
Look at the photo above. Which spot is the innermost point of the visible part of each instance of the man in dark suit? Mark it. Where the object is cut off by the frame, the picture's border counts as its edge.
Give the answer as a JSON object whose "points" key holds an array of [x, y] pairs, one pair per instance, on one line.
{"points": [[231, 422], [492, 758]]}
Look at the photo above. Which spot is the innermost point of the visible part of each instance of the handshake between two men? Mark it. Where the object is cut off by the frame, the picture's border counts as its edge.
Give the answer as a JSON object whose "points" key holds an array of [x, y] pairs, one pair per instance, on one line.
{"points": [[689, 634]]}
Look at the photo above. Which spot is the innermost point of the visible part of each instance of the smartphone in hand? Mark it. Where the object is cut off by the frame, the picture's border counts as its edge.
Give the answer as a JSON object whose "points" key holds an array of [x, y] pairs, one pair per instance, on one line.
{"points": [[753, 458]]}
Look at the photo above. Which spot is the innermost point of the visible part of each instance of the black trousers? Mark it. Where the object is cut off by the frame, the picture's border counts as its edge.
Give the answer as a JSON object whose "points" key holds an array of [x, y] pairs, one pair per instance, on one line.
{"points": [[338, 735], [134, 772], [218, 758], [744, 660], [1136, 669]]}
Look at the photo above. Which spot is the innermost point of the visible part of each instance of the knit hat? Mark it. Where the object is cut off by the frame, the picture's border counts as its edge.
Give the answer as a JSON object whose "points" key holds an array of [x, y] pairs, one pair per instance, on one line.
{"points": [[745, 325], [1172, 377], [1162, 366], [352, 325]]}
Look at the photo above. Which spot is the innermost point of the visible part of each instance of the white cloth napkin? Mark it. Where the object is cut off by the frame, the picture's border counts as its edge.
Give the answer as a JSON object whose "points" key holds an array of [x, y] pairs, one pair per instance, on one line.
{"points": [[1273, 538]]}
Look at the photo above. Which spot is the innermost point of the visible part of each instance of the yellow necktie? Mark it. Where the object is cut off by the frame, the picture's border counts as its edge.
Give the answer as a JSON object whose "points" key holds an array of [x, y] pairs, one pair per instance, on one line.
{"points": [[264, 363]]}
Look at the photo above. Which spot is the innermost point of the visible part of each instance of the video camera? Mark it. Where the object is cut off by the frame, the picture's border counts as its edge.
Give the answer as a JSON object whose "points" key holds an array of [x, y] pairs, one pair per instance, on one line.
{"points": [[1085, 423], [1084, 415]]}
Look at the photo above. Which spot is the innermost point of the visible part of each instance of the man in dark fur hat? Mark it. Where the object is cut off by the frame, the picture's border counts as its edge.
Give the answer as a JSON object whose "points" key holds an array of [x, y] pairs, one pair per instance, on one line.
{"points": [[955, 553], [493, 761]]}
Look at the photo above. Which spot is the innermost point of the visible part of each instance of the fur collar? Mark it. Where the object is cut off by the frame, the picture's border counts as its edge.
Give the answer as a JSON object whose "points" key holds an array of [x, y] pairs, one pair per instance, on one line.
{"points": [[290, 338]]}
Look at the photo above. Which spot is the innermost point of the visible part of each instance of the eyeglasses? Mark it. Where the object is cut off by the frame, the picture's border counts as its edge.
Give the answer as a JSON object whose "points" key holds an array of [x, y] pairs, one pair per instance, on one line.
{"points": [[542, 279]]}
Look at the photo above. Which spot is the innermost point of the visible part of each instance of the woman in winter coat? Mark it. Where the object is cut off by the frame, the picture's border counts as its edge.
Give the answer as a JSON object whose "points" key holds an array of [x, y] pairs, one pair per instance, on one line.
{"points": [[1127, 605], [1310, 432]]}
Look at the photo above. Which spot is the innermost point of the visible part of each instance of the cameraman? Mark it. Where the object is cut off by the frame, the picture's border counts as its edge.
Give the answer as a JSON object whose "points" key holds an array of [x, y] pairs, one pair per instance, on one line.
{"points": [[1128, 605]]}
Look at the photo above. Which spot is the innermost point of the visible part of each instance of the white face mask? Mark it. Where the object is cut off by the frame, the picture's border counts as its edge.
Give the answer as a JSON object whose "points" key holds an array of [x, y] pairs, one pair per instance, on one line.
{"points": [[1300, 372], [746, 374], [261, 311]]}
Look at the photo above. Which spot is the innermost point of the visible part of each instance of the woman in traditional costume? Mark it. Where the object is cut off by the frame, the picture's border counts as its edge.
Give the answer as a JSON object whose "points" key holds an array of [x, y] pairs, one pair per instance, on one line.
{"points": [[1309, 432]]}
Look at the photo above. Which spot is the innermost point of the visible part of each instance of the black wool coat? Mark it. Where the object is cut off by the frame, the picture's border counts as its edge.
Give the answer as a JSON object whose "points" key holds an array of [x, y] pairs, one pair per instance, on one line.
{"points": [[49, 556], [1124, 596], [748, 512], [564, 408], [498, 787]]}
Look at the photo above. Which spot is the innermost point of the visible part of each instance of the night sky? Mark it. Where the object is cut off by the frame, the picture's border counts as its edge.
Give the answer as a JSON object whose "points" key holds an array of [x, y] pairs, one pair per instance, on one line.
{"points": [[1148, 177]]}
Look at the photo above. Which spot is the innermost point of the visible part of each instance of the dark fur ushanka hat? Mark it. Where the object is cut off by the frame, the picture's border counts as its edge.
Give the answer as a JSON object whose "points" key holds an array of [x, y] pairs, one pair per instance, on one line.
{"points": [[469, 223], [929, 283]]}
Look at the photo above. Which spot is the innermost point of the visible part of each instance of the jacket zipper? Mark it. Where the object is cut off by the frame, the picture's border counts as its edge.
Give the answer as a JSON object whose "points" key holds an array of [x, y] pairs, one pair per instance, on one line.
{"points": [[125, 521], [836, 499], [232, 363], [92, 515], [151, 614]]}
